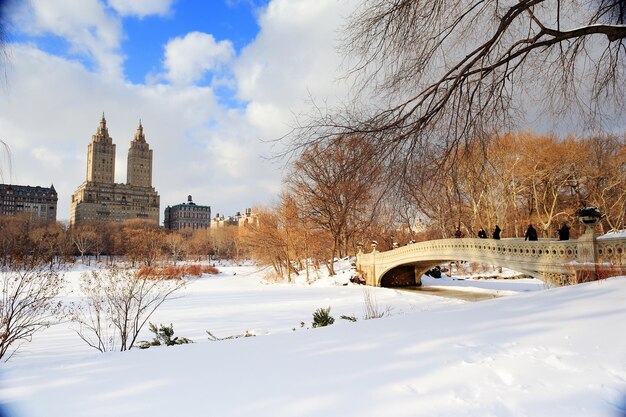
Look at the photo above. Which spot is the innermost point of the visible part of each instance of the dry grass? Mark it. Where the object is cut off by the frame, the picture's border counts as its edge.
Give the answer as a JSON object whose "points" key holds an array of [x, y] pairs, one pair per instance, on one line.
{"points": [[370, 305], [176, 272]]}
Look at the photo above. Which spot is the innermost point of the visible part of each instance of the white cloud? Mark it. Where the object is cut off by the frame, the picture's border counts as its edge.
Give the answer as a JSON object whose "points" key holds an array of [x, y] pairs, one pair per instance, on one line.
{"points": [[86, 25], [141, 8], [52, 107], [292, 60], [188, 58]]}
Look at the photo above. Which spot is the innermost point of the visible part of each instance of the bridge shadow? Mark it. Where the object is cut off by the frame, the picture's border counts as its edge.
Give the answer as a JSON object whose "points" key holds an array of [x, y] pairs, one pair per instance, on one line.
{"points": [[451, 293]]}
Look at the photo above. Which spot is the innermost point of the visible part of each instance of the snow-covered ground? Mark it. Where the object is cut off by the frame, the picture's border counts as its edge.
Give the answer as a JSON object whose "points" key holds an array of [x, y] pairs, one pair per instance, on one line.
{"points": [[534, 352]]}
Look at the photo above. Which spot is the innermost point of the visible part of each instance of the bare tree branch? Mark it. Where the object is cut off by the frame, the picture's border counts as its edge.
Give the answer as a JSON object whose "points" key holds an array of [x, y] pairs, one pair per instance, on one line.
{"points": [[448, 73]]}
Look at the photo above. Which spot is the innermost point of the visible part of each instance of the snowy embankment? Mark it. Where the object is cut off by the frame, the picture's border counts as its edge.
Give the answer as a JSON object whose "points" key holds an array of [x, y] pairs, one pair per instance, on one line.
{"points": [[552, 352]]}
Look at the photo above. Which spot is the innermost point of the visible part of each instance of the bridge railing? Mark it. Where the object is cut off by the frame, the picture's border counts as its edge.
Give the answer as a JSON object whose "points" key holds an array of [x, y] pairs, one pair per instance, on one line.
{"points": [[546, 256]]}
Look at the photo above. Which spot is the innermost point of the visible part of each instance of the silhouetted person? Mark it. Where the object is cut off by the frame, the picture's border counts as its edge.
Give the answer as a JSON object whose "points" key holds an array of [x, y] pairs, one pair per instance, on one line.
{"points": [[496, 232], [531, 233], [563, 232], [482, 234], [458, 233]]}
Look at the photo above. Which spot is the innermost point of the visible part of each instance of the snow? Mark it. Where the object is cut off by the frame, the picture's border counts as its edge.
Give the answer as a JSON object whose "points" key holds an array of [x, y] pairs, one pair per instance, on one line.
{"points": [[534, 352], [620, 234]]}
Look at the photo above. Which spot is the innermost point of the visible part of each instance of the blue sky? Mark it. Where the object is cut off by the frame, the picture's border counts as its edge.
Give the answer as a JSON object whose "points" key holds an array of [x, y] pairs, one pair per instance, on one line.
{"points": [[213, 81], [144, 38]]}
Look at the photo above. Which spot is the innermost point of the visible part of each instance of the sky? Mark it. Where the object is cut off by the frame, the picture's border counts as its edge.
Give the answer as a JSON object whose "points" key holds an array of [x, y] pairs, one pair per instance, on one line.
{"points": [[214, 83]]}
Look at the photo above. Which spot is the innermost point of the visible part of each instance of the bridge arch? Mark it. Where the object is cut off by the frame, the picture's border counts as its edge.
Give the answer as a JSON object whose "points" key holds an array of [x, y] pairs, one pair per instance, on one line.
{"points": [[406, 274]]}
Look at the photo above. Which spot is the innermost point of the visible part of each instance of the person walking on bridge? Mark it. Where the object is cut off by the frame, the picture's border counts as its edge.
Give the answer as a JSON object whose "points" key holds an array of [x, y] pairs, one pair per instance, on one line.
{"points": [[496, 233], [563, 232], [482, 234], [531, 233]]}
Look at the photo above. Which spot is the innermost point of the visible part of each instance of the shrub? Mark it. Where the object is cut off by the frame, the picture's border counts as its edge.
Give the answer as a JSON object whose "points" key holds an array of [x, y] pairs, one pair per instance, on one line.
{"points": [[208, 269], [146, 271], [116, 304], [475, 267], [172, 272], [214, 338], [322, 317], [372, 311], [193, 270], [163, 336], [176, 272], [28, 303]]}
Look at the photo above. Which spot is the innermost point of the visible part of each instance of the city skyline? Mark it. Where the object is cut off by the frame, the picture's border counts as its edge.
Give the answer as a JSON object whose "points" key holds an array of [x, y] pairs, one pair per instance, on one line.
{"points": [[214, 84]]}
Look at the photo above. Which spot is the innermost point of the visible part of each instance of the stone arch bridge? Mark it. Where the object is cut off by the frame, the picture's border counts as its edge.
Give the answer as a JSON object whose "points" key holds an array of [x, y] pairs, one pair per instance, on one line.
{"points": [[557, 262]]}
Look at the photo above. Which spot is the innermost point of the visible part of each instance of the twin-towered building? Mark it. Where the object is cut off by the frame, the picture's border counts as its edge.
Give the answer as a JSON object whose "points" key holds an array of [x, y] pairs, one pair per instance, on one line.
{"points": [[100, 198]]}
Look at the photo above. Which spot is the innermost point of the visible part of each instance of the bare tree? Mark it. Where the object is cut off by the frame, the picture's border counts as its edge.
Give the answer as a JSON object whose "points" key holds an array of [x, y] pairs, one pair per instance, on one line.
{"points": [[604, 178], [333, 186], [84, 238], [27, 303], [268, 242], [448, 72], [117, 304], [14, 232], [48, 241], [526, 178], [550, 169], [142, 241], [223, 241], [176, 245], [200, 243]]}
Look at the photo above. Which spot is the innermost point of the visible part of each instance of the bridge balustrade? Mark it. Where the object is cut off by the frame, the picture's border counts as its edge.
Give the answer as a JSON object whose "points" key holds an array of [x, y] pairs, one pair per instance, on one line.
{"points": [[557, 262]]}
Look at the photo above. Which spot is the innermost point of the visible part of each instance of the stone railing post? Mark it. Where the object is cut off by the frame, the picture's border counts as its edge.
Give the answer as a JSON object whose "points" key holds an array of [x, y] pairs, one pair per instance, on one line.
{"points": [[587, 268], [359, 254], [374, 277]]}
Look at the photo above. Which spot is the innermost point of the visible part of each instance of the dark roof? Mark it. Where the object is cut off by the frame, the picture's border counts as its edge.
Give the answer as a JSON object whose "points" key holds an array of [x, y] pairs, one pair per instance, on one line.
{"points": [[188, 205], [27, 189]]}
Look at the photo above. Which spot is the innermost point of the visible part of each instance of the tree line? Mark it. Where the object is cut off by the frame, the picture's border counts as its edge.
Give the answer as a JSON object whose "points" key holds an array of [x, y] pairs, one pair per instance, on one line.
{"points": [[138, 242], [338, 197]]}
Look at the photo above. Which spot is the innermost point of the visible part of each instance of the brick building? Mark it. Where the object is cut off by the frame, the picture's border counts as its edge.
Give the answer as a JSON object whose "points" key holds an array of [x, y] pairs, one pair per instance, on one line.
{"points": [[187, 215], [237, 220], [38, 202]]}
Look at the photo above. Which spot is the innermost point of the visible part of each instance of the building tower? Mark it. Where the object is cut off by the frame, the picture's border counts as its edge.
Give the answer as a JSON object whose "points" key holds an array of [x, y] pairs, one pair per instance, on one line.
{"points": [[139, 168], [101, 156], [100, 198]]}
